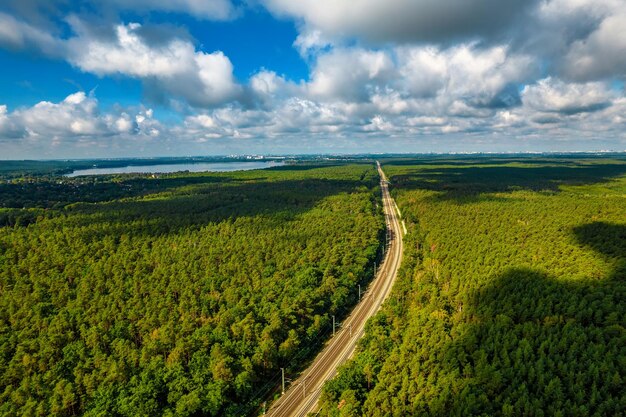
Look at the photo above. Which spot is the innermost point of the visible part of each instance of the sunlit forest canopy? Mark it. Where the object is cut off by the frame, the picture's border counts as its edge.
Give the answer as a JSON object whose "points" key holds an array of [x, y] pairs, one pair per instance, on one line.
{"points": [[180, 295], [510, 300]]}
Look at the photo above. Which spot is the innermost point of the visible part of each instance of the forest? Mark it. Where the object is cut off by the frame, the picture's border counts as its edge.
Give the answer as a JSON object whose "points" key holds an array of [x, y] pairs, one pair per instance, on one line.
{"points": [[510, 299], [181, 295]]}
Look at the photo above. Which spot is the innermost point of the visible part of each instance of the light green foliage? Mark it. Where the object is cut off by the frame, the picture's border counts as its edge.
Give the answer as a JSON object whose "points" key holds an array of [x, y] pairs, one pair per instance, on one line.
{"points": [[181, 302], [510, 300]]}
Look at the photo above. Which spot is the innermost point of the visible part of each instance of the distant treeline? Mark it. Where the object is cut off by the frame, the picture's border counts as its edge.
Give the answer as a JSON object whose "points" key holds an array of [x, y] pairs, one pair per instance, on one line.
{"points": [[27, 168]]}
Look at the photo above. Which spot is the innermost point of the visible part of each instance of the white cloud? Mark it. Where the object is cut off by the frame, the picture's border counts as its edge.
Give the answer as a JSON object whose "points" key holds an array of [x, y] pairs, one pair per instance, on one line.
{"points": [[311, 41], [378, 124], [8, 129], [419, 78], [76, 117], [602, 54], [121, 124], [461, 72], [347, 74], [552, 95], [175, 66], [578, 40], [76, 123], [423, 70], [484, 73], [269, 88], [425, 75], [216, 74], [127, 53], [267, 83]]}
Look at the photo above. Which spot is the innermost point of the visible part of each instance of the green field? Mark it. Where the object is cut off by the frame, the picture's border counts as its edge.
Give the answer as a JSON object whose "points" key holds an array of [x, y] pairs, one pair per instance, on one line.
{"points": [[511, 297], [177, 296]]}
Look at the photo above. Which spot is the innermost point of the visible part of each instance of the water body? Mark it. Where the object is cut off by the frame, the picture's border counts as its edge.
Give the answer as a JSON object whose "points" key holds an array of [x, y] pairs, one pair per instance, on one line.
{"points": [[191, 167]]}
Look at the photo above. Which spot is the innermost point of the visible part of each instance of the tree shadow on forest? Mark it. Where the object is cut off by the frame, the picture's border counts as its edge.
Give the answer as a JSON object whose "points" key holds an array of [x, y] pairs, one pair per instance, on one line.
{"points": [[474, 183], [305, 166], [536, 345], [59, 192], [194, 208]]}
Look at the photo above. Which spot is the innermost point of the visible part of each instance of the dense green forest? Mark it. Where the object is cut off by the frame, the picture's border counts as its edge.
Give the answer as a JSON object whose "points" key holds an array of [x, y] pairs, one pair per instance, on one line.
{"points": [[181, 295], [511, 297]]}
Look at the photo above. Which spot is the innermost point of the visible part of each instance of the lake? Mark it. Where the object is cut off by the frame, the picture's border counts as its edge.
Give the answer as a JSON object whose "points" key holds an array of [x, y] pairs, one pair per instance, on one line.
{"points": [[191, 167]]}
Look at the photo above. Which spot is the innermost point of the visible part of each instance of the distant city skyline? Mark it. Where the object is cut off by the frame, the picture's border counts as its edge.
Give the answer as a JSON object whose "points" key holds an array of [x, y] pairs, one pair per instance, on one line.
{"points": [[134, 78]]}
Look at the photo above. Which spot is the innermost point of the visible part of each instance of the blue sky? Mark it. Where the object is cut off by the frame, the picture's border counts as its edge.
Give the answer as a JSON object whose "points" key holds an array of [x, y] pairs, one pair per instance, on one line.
{"points": [[253, 41], [199, 77]]}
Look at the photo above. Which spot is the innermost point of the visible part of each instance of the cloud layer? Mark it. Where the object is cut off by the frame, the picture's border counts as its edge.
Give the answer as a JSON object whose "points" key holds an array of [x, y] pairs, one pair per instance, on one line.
{"points": [[398, 74], [404, 20]]}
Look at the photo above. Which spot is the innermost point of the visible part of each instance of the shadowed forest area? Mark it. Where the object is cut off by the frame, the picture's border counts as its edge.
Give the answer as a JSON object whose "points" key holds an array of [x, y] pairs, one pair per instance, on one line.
{"points": [[471, 181], [179, 295], [510, 301]]}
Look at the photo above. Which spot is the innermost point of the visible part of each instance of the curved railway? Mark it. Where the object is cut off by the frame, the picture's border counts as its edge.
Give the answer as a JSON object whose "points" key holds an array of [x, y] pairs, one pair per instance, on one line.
{"points": [[302, 396]]}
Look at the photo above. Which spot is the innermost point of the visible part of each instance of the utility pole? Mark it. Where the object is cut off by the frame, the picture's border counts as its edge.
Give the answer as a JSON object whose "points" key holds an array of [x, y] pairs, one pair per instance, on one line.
{"points": [[350, 329], [359, 293], [375, 263], [333, 325], [282, 370]]}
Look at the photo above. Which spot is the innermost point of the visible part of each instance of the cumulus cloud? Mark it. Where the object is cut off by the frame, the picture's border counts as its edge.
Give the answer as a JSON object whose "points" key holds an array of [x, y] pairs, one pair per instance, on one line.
{"points": [[311, 41], [552, 95], [418, 78], [423, 71], [267, 83], [268, 89], [8, 128], [77, 116], [74, 116], [478, 76], [404, 20], [348, 73], [77, 123], [398, 71], [293, 118], [127, 53], [576, 40], [602, 54], [203, 79], [173, 65], [305, 120]]}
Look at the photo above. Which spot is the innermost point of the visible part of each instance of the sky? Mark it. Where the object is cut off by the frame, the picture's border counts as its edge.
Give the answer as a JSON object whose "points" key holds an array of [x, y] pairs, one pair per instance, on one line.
{"points": [[126, 78]]}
